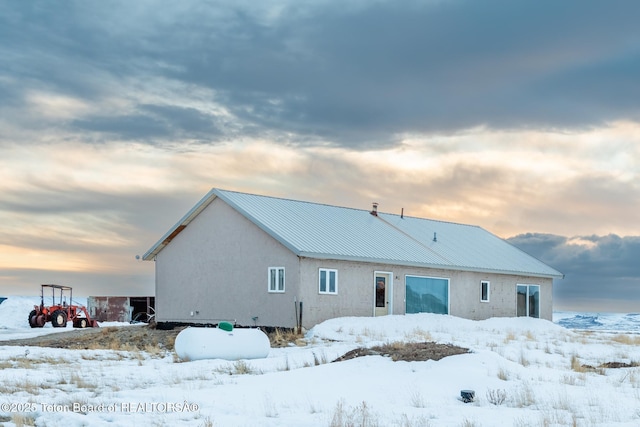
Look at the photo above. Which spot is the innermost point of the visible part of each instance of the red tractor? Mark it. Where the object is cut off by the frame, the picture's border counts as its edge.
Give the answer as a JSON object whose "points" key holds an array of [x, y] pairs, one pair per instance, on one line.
{"points": [[59, 312]]}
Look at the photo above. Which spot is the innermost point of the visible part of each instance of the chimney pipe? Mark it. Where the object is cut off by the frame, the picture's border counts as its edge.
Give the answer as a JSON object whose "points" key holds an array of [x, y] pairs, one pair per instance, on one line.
{"points": [[374, 212]]}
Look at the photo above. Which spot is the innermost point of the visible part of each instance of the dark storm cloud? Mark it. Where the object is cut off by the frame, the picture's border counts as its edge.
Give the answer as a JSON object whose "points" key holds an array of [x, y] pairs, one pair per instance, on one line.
{"points": [[8, 94], [351, 74], [597, 268], [184, 119], [154, 122], [53, 45], [386, 68], [126, 127]]}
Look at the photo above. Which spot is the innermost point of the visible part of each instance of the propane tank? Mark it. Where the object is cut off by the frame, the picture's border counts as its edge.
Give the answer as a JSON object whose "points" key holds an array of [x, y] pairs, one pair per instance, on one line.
{"points": [[220, 343]]}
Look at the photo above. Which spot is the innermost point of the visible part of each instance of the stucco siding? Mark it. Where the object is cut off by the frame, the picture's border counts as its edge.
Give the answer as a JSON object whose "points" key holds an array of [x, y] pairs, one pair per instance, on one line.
{"points": [[355, 295], [217, 269], [355, 290]]}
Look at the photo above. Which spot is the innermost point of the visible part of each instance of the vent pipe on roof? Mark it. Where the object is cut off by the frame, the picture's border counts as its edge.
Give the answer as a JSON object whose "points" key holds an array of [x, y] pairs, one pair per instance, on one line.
{"points": [[374, 212], [435, 238], [402, 213]]}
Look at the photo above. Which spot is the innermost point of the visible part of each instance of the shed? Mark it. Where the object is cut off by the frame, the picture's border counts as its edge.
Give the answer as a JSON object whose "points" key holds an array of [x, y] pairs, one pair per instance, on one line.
{"points": [[121, 308]]}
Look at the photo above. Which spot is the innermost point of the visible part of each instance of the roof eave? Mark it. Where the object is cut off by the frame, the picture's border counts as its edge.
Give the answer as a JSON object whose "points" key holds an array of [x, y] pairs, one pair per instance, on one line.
{"points": [[179, 226], [322, 256]]}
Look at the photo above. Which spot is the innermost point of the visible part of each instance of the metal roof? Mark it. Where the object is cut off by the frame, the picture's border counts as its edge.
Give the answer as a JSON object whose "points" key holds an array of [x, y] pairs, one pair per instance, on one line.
{"points": [[330, 232]]}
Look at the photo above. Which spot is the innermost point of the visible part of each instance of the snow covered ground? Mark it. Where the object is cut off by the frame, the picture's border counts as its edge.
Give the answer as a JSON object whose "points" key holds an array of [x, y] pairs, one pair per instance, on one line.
{"points": [[525, 372], [613, 322]]}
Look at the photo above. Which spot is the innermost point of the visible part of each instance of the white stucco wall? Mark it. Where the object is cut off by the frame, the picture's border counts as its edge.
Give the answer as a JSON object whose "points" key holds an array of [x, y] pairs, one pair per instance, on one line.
{"points": [[217, 269], [356, 291]]}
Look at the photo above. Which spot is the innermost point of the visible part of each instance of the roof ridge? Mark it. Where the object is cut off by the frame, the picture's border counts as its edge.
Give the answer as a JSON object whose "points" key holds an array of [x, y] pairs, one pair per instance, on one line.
{"points": [[286, 199], [431, 219], [415, 240], [293, 200]]}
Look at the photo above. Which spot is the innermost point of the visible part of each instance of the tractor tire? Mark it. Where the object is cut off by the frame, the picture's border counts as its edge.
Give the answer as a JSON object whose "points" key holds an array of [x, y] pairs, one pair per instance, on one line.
{"points": [[40, 320], [32, 319], [59, 319], [80, 322]]}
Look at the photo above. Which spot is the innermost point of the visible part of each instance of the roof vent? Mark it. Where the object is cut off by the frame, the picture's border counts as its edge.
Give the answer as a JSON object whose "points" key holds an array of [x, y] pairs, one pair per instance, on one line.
{"points": [[374, 212], [435, 238]]}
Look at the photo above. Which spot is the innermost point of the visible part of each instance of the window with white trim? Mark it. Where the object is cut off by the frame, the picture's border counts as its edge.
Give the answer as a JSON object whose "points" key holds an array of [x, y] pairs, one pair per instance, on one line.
{"points": [[328, 281], [276, 279], [485, 289]]}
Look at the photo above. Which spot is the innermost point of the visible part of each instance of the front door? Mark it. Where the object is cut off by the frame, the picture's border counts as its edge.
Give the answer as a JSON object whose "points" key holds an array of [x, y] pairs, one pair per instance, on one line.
{"points": [[382, 292]]}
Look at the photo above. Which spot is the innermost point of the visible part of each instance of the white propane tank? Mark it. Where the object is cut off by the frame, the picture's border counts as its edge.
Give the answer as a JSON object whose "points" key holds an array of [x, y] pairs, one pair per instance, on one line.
{"points": [[216, 343]]}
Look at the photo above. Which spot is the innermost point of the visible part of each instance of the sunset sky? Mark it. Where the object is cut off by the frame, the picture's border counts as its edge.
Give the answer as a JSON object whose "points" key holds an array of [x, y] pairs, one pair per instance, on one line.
{"points": [[116, 117]]}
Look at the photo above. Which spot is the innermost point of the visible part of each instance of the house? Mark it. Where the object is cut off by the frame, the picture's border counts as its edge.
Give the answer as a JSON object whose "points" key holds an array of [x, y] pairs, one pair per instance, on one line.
{"points": [[257, 260]]}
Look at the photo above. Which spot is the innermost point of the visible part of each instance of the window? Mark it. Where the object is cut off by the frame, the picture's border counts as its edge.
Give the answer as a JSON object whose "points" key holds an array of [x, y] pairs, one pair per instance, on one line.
{"points": [[328, 282], [276, 279], [381, 291], [484, 291], [427, 295], [528, 300]]}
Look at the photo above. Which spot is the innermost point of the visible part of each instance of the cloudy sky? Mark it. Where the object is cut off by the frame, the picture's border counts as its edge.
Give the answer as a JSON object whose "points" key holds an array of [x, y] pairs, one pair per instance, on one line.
{"points": [[521, 117]]}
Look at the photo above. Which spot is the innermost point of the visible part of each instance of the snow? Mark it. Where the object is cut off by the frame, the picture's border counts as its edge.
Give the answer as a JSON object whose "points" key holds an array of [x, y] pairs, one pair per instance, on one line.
{"points": [[526, 362], [629, 322]]}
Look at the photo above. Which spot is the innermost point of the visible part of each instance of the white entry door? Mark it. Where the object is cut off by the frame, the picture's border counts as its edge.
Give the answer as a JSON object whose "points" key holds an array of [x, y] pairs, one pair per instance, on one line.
{"points": [[382, 293]]}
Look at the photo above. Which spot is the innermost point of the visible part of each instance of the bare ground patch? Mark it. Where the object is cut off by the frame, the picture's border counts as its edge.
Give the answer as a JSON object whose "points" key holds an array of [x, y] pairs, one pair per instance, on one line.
{"points": [[610, 365], [409, 352], [111, 338], [128, 338]]}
